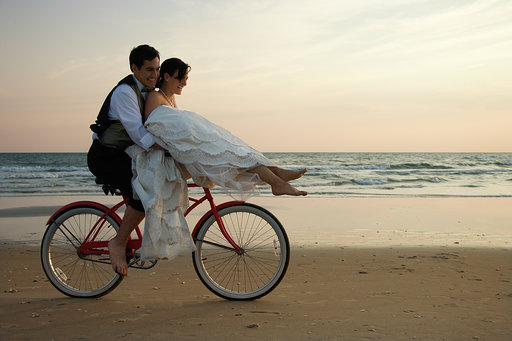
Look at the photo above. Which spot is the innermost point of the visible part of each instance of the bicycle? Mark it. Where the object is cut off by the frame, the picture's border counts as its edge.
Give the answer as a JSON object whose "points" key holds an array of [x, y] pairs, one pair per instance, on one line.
{"points": [[242, 250]]}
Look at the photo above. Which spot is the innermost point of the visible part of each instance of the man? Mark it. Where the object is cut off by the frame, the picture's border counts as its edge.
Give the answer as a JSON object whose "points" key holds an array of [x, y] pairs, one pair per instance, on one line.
{"points": [[119, 125]]}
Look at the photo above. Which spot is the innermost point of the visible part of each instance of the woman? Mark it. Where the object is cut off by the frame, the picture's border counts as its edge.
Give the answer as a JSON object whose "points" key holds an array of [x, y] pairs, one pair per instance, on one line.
{"points": [[208, 153]]}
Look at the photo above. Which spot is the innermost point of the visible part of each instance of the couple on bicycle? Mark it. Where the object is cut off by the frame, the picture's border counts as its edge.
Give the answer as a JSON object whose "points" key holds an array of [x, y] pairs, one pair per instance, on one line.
{"points": [[148, 121]]}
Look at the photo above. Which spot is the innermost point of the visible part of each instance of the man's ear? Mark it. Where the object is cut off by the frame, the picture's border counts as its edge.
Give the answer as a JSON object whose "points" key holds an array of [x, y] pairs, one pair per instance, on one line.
{"points": [[134, 67]]}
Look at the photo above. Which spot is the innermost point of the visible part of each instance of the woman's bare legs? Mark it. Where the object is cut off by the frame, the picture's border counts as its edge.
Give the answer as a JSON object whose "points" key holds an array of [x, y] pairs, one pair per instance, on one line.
{"points": [[278, 184], [288, 174]]}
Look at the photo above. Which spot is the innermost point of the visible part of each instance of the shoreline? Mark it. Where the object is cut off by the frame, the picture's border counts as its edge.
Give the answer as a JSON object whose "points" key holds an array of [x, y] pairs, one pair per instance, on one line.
{"points": [[469, 222]]}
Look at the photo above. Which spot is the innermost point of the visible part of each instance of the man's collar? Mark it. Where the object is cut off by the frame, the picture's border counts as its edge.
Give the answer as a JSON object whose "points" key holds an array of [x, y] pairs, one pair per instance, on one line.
{"points": [[139, 84]]}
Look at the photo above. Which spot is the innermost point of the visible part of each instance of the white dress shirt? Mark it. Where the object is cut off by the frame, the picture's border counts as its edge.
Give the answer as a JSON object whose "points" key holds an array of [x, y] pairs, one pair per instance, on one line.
{"points": [[124, 107]]}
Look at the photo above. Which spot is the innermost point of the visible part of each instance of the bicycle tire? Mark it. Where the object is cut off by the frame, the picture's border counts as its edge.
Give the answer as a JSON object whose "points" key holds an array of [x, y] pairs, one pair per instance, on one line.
{"points": [[258, 269], [76, 275]]}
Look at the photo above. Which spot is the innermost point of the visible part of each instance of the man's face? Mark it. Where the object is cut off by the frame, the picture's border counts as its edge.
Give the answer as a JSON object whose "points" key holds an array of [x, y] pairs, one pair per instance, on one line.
{"points": [[149, 72]]}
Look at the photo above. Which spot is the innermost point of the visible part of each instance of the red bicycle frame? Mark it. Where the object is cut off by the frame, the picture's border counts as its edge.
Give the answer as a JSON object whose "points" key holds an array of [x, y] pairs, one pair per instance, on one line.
{"points": [[92, 246]]}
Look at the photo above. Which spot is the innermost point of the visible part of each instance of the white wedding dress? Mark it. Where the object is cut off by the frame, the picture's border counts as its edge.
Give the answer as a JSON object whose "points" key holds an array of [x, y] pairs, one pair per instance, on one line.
{"points": [[211, 155]]}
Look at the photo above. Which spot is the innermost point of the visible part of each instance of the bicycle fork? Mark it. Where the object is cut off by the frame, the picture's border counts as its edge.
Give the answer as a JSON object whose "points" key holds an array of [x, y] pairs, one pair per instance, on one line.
{"points": [[208, 196]]}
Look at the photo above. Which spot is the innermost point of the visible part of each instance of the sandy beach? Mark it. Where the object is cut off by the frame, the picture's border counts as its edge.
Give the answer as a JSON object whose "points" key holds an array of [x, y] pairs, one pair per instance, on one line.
{"points": [[360, 269]]}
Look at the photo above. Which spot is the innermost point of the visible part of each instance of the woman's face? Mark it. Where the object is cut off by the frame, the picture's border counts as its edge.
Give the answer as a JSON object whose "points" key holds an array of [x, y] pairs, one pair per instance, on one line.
{"points": [[176, 86]]}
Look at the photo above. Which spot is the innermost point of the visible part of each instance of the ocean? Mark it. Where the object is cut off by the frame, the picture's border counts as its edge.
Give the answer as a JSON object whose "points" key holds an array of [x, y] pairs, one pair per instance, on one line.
{"points": [[329, 174]]}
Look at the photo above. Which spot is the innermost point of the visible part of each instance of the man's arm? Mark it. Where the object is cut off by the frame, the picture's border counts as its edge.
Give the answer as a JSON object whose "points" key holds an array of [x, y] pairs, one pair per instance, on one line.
{"points": [[125, 107]]}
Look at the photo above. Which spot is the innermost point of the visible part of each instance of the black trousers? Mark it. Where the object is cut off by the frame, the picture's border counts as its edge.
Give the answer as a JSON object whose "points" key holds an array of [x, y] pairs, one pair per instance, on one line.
{"points": [[114, 167]]}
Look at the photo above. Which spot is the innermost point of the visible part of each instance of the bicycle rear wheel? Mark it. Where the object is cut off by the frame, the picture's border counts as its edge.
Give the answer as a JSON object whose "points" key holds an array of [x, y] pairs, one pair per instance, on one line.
{"points": [[255, 271], [74, 273]]}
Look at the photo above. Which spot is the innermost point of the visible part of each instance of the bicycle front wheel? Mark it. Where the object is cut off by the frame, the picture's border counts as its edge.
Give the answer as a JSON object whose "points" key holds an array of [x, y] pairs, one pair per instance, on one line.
{"points": [[251, 273], [72, 272]]}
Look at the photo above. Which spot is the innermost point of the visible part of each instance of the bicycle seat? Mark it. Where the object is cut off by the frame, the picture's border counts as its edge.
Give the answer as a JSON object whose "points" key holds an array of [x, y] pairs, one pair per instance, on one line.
{"points": [[107, 188]]}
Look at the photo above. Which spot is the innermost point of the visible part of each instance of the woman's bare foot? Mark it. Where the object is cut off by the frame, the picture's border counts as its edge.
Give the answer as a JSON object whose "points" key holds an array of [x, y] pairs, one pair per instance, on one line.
{"points": [[288, 174], [279, 185], [118, 257], [287, 189]]}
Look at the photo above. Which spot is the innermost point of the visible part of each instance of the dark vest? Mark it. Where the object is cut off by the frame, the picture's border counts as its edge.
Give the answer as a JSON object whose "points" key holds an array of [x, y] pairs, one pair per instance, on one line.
{"points": [[112, 133]]}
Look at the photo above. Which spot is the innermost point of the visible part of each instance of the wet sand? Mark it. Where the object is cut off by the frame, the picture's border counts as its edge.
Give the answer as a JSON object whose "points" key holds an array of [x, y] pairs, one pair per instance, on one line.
{"points": [[390, 269]]}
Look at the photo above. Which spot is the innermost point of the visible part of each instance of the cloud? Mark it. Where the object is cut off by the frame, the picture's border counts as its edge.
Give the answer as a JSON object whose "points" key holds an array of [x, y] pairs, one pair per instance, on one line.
{"points": [[443, 31], [70, 66]]}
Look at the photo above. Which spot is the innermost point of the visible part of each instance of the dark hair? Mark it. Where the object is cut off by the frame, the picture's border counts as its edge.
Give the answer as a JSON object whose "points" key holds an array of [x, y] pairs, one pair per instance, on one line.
{"points": [[141, 53], [170, 66]]}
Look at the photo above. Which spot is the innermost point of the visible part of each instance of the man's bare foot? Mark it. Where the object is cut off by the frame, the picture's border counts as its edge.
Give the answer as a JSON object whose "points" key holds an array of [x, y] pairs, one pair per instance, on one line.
{"points": [[288, 174], [287, 189], [118, 257]]}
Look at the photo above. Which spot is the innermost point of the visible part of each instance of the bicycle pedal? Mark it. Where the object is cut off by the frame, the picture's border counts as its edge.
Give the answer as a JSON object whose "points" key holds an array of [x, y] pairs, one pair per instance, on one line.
{"points": [[137, 263], [133, 261]]}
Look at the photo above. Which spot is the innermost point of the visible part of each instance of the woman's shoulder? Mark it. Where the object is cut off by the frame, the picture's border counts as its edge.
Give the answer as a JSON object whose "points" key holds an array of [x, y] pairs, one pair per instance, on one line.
{"points": [[155, 98], [153, 101], [153, 94]]}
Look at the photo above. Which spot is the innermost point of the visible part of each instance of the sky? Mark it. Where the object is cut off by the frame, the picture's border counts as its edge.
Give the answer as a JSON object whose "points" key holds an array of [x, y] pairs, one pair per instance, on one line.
{"points": [[285, 76]]}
